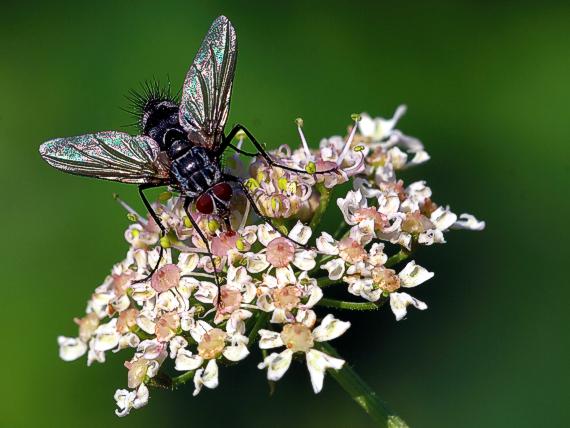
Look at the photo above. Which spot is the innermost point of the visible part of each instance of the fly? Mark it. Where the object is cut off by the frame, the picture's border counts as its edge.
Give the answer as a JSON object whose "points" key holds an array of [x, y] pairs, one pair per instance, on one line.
{"points": [[180, 146]]}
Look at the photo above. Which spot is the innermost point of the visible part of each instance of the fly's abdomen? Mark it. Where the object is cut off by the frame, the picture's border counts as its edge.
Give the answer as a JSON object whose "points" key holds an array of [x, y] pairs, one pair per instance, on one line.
{"points": [[195, 172]]}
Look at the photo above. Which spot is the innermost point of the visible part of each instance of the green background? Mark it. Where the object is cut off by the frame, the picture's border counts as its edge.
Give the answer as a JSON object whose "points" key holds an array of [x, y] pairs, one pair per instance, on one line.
{"points": [[487, 85]]}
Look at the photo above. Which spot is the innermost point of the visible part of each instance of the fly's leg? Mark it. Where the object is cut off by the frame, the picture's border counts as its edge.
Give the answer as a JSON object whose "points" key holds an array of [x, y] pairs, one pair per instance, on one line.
{"points": [[157, 220], [261, 151], [256, 209], [187, 202]]}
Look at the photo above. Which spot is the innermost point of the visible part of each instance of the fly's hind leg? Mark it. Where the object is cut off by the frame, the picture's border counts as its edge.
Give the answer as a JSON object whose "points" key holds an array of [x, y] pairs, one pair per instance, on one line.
{"points": [[261, 151]]}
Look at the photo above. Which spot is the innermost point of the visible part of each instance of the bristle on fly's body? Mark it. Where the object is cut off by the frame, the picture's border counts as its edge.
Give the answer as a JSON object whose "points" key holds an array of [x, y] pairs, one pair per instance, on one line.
{"points": [[150, 92]]}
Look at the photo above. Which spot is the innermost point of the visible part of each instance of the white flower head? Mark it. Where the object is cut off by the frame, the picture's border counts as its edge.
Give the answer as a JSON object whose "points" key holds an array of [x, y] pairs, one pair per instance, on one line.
{"points": [[297, 337]]}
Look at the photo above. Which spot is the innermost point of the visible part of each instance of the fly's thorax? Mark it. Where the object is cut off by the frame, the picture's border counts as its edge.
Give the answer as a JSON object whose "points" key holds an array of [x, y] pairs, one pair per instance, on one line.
{"points": [[159, 116]]}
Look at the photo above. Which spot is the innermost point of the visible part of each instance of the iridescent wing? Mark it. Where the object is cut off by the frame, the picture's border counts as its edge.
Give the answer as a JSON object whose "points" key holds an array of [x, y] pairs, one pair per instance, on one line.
{"points": [[208, 86], [108, 155]]}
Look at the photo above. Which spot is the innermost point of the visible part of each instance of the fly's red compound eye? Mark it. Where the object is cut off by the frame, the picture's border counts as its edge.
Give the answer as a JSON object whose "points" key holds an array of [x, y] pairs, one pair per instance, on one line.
{"points": [[205, 204], [223, 191]]}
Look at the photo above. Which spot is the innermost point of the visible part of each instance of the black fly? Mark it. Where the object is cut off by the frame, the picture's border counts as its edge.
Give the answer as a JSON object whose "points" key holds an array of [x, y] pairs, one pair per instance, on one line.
{"points": [[181, 145]]}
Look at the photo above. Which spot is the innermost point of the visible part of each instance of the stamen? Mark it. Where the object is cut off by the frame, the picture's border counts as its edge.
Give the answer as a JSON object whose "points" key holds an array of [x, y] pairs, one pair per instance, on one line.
{"points": [[193, 274], [243, 222], [130, 210], [346, 148], [240, 136], [306, 149]]}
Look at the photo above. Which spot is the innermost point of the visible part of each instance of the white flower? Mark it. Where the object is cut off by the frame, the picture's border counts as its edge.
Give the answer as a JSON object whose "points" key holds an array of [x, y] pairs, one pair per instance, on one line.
{"points": [[207, 377], [282, 295], [71, 348], [279, 252], [350, 249], [297, 337], [212, 343], [379, 129], [469, 222], [400, 301], [371, 281], [106, 337], [127, 400]]}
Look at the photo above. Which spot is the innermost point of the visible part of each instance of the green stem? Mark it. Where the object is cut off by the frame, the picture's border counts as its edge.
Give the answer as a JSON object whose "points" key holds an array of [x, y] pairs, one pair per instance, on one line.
{"points": [[360, 392], [182, 379], [261, 320], [323, 204], [353, 306], [400, 256], [164, 381], [341, 230], [327, 282]]}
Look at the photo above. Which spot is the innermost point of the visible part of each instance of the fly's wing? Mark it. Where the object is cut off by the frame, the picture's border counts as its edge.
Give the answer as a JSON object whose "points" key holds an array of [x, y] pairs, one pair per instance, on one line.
{"points": [[108, 155], [208, 86]]}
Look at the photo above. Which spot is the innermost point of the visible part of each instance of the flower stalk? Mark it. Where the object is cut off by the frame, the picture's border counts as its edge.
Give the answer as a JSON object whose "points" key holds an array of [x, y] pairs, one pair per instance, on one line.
{"points": [[362, 394], [325, 197], [353, 306]]}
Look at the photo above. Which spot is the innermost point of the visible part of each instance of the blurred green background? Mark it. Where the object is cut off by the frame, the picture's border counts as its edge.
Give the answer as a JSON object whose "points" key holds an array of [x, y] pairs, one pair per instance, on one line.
{"points": [[487, 85]]}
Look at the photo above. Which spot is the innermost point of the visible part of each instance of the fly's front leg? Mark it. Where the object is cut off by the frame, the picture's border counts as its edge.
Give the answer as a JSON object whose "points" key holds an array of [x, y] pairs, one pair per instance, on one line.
{"points": [[204, 239], [157, 220]]}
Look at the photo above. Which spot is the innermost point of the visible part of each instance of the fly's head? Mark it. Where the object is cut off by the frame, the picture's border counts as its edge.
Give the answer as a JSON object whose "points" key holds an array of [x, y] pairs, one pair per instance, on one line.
{"points": [[216, 201]]}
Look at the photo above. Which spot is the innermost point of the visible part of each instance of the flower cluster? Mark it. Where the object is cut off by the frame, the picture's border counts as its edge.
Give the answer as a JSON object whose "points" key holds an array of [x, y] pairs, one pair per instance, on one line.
{"points": [[263, 283]]}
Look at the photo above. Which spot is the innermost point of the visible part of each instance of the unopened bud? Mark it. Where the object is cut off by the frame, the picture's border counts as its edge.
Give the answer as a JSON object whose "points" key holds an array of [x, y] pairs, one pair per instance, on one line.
{"points": [[199, 310], [311, 168], [274, 203], [251, 184], [240, 244], [282, 183], [165, 242], [213, 225]]}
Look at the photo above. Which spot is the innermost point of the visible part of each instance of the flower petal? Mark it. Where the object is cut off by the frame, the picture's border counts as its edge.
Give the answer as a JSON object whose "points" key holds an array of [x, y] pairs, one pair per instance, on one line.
{"points": [[305, 259], [413, 275], [317, 363], [236, 352], [326, 244], [207, 377], [70, 348], [330, 329], [400, 301], [266, 234], [256, 262], [276, 364], [185, 361], [443, 218], [300, 233], [469, 222], [335, 268], [269, 339]]}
